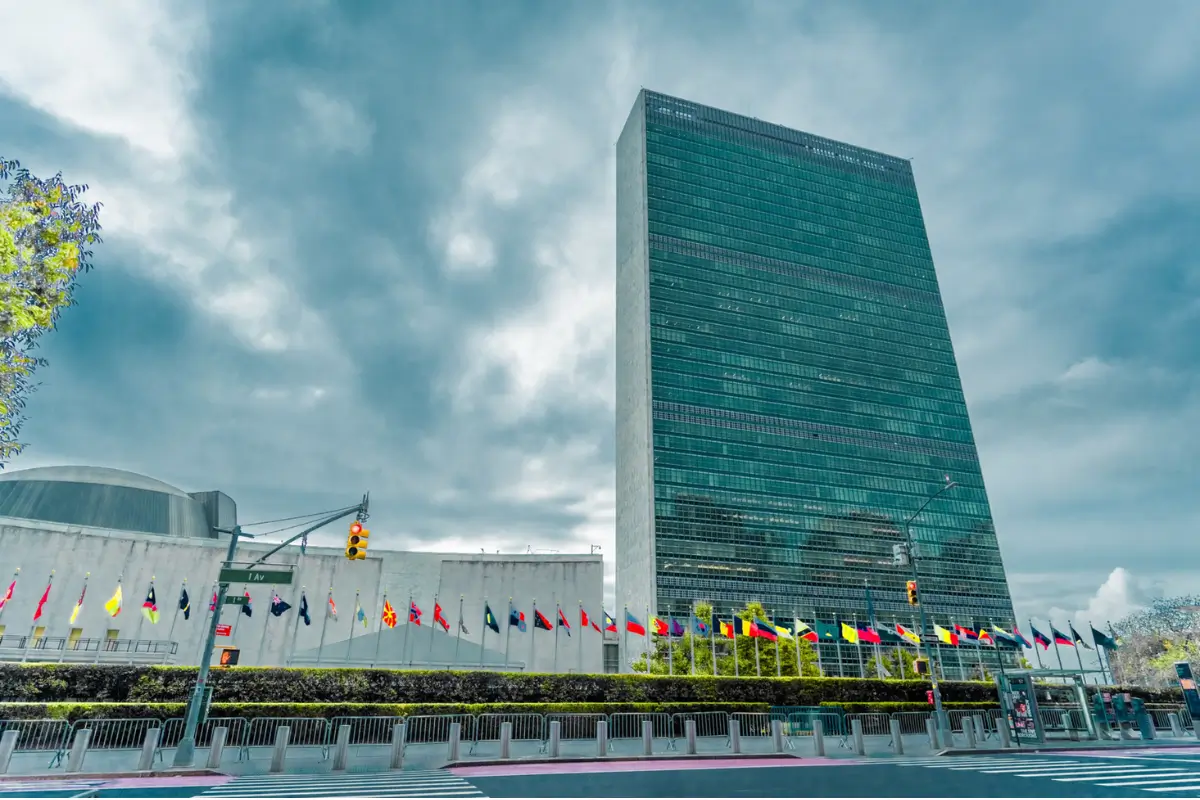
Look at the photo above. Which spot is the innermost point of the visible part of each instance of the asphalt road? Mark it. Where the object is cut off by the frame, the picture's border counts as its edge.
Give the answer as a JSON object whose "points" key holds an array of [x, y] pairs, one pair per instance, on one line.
{"points": [[1167, 772]]}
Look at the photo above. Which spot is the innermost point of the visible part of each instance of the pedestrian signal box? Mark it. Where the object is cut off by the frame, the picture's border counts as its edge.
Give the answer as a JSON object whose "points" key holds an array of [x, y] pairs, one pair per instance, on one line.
{"points": [[230, 656]]}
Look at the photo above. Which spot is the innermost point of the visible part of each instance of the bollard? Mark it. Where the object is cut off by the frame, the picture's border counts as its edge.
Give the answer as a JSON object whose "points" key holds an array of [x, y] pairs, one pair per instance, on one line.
{"points": [[931, 729], [397, 759], [969, 732], [1146, 726], [980, 729], [555, 737], [452, 744], [149, 748], [506, 740], [647, 737], [735, 736], [279, 758], [689, 732], [1002, 733], [1176, 725], [860, 746], [777, 735], [8, 745], [217, 748], [897, 739], [1072, 734], [602, 738], [341, 750], [79, 746], [819, 737]]}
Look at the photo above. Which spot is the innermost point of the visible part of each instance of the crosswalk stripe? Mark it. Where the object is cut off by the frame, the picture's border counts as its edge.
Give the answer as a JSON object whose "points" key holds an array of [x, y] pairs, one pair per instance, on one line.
{"points": [[433, 783], [1153, 774], [1194, 779]]}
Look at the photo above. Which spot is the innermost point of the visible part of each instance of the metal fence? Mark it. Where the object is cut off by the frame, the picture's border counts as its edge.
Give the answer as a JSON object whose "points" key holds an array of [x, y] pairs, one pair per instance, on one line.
{"points": [[525, 728], [36, 735], [56, 736]]}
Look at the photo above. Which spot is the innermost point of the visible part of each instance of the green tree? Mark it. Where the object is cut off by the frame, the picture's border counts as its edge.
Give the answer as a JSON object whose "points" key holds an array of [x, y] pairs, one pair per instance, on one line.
{"points": [[676, 656], [44, 234], [1150, 641], [898, 664]]}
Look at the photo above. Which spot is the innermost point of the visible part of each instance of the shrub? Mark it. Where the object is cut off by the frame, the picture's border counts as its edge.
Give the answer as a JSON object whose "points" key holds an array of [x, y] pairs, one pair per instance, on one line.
{"points": [[145, 684], [163, 711]]}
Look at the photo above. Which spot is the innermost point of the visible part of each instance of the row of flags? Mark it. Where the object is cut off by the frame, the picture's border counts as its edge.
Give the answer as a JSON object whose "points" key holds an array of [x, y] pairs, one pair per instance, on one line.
{"points": [[855, 633], [771, 630]]}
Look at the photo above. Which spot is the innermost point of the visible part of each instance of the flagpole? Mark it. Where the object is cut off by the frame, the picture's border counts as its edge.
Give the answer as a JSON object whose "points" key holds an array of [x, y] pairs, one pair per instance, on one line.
{"points": [[713, 623], [1057, 651], [580, 642], [408, 623], [13, 584], [458, 635], [625, 639], [647, 640], [1036, 654], [295, 631], [757, 661], [557, 613], [691, 634], [433, 625], [533, 638], [483, 634], [174, 617], [778, 660], [1100, 653], [324, 627], [1078, 653], [1112, 634], [733, 626], [508, 634], [379, 635], [36, 615], [796, 640], [670, 644]]}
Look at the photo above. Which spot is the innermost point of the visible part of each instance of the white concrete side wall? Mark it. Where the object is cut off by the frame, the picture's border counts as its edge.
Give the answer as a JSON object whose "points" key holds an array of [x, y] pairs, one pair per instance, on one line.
{"points": [[135, 559], [635, 569]]}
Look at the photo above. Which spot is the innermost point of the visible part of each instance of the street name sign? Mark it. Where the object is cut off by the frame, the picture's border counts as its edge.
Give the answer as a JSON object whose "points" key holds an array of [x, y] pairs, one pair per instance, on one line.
{"points": [[264, 576]]}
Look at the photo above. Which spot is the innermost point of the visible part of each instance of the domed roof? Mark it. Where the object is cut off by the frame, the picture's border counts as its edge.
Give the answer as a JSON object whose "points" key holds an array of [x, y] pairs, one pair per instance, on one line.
{"points": [[102, 476], [101, 497]]}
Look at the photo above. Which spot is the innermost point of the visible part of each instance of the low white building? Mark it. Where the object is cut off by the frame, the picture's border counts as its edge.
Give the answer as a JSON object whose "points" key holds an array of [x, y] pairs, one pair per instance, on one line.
{"points": [[107, 526]]}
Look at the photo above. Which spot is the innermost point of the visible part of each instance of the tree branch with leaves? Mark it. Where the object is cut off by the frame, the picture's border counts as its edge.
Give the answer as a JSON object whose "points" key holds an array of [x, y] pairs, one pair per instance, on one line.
{"points": [[45, 233]]}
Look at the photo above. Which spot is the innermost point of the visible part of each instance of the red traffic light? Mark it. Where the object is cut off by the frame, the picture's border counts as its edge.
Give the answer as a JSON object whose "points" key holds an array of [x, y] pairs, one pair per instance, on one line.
{"points": [[355, 528]]}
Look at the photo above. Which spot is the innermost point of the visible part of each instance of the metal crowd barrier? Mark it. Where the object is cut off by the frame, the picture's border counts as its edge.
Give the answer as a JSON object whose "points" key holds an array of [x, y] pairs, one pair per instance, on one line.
{"points": [[261, 733]]}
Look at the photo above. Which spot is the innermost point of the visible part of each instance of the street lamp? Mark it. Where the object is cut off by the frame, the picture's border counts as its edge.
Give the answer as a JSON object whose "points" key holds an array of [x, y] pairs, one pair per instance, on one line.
{"points": [[943, 722]]}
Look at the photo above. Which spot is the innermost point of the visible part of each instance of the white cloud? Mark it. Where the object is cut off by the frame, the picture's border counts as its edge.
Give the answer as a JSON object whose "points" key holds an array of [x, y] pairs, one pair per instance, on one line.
{"points": [[121, 68], [1121, 594], [1089, 369], [333, 122]]}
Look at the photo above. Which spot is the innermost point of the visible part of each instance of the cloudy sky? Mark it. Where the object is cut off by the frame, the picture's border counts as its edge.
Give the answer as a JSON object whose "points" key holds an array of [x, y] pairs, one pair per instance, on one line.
{"points": [[368, 245]]}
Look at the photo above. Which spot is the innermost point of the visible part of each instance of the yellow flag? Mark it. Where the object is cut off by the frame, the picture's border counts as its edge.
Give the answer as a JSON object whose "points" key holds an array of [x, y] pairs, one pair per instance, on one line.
{"points": [[849, 634], [113, 606]]}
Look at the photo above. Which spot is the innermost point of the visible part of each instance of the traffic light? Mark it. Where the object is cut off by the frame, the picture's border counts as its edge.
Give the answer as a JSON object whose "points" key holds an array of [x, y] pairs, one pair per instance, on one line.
{"points": [[912, 593], [230, 656], [356, 542]]}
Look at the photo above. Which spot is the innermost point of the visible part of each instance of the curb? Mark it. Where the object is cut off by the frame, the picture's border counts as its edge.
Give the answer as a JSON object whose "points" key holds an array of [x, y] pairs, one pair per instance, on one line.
{"points": [[1054, 749], [497, 762], [98, 776]]}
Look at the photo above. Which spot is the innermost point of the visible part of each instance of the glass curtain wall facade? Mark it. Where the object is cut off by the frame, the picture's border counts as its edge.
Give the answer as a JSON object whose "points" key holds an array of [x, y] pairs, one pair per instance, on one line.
{"points": [[787, 392]]}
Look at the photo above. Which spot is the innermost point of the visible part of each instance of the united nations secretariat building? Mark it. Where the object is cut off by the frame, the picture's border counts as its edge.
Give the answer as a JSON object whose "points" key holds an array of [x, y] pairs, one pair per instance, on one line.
{"points": [[96, 528]]}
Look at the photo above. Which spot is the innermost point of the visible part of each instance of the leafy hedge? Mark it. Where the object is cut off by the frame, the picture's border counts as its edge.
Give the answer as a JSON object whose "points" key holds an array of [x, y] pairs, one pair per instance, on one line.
{"points": [[164, 711], [146, 684]]}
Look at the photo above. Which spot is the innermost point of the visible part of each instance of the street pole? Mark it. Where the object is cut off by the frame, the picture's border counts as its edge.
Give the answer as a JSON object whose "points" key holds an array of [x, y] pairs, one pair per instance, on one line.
{"points": [[943, 720], [185, 752]]}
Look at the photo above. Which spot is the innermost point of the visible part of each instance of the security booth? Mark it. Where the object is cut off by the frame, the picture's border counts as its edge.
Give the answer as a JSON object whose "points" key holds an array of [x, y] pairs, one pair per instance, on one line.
{"points": [[1126, 714], [1038, 710]]}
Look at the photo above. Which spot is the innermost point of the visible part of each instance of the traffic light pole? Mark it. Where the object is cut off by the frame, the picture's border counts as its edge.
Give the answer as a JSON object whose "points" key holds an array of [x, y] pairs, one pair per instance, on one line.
{"points": [[939, 710], [185, 752]]}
